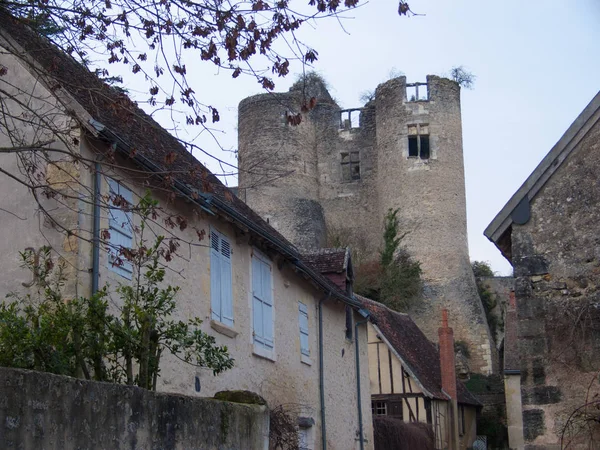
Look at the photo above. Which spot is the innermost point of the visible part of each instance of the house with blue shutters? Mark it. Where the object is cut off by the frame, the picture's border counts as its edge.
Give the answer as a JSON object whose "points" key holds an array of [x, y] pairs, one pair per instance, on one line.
{"points": [[290, 329]]}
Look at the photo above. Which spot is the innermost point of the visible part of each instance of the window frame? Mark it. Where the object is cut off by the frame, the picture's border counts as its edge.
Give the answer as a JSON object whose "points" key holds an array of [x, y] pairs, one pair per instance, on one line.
{"points": [[379, 405], [420, 138], [221, 308], [123, 229], [351, 163]]}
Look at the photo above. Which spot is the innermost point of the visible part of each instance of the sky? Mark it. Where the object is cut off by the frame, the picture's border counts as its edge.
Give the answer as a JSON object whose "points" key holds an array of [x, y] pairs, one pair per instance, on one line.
{"points": [[537, 65]]}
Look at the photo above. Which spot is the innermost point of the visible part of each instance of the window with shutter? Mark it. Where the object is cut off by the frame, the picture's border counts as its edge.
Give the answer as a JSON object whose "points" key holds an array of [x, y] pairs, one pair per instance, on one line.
{"points": [[221, 298], [262, 303], [120, 228], [303, 322]]}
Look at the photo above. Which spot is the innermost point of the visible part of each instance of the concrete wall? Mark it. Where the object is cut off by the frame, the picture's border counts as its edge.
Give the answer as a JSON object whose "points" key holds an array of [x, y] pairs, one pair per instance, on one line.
{"points": [[430, 194], [39, 410], [556, 260], [514, 411]]}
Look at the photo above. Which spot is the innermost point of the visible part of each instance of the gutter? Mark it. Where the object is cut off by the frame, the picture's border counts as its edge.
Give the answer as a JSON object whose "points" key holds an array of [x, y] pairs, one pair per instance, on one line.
{"points": [[361, 435], [96, 229], [322, 375]]}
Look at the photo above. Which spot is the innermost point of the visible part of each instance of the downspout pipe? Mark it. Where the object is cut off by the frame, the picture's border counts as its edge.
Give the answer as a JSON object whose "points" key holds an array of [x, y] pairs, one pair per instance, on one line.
{"points": [[361, 434], [322, 375], [96, 229]]}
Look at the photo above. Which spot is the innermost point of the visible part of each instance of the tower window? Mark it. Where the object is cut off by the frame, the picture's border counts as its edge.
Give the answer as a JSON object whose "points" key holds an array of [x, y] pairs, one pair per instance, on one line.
{"points": [[418, 141], [351, 166]]}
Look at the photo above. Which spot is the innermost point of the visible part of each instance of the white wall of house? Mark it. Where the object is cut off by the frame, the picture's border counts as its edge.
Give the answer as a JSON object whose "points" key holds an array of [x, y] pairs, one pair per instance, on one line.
{"points": [[284, 376]]}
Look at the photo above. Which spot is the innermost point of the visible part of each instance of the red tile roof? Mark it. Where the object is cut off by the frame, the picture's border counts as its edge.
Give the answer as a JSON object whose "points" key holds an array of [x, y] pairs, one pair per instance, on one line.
{"points": [[328, 260], [420, 355]]}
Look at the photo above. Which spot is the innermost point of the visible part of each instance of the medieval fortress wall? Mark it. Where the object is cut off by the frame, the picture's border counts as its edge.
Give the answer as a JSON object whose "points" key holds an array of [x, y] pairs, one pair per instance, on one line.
{"points": [[337, 174]]}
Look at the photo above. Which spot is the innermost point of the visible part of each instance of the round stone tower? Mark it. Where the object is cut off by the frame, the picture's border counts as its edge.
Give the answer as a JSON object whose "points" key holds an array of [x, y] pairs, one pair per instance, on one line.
{"points": [[278, 174], [421, 173]]}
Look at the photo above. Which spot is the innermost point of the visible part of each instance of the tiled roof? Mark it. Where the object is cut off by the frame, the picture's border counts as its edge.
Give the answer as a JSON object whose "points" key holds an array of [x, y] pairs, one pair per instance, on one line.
{"points": [[328, 260], [418, 353], [140, 136]]}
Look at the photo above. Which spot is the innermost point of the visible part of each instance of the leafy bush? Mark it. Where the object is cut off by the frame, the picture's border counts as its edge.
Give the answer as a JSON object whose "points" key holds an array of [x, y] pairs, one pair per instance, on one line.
{"points": [[394, 280], [81, 338]]}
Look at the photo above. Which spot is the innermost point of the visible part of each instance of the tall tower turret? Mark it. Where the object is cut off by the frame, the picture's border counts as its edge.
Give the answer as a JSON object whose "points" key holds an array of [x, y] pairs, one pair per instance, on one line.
{"points": [[421, 173], [278, 163], [339, 172]]}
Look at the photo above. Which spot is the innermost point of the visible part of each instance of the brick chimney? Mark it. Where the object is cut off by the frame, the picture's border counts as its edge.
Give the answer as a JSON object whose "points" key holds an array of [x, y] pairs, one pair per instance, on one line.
{"points": [[512, 301], [447, 363], [448, 369]]}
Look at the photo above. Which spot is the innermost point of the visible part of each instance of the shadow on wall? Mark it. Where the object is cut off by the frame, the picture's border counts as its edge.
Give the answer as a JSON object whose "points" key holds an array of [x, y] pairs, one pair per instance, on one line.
{"points": [[394, 434]]}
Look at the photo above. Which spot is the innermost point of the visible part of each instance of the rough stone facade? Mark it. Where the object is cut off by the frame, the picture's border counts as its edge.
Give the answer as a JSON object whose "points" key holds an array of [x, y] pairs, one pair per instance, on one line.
{"points": [[500, 289], [550, 232], [335, 176], [556, 258]]}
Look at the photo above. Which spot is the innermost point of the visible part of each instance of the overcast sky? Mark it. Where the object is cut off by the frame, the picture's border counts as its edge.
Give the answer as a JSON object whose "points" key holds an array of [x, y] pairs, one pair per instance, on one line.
{"points": [[537, 65]]}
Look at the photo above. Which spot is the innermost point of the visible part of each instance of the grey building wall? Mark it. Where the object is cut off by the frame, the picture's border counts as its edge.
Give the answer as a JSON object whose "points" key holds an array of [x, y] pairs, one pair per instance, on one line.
{"points": [[314, 199], [556, 260], [500, 288], [40, 410]]}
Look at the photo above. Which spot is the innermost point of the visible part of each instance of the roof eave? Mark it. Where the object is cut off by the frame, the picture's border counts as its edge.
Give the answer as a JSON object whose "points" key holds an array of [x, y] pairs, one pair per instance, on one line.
{"points": [[545, 169], [406, 366], [207, 202]]}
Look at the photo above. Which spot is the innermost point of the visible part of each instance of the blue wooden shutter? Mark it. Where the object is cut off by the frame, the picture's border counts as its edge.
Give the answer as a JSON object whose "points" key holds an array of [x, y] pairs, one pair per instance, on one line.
{"points": [[303, 322], [215, 276], [226, 294], [267, 303], [257, 310], [120, 228]]}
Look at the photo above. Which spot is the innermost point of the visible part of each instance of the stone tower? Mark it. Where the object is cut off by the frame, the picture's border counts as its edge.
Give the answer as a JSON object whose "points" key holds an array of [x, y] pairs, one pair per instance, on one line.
{"points": [[347, 168]]}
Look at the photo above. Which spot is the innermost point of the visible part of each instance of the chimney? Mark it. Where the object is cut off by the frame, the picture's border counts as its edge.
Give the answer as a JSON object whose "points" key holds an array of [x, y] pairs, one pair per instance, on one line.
{"points": [[512, 301], [447, 364]]}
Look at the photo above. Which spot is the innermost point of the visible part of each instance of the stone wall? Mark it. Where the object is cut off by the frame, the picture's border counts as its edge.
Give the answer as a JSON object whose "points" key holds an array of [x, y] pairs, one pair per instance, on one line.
{"points": [[39, 410], [556, 260], [429, 193], [500, 289]]}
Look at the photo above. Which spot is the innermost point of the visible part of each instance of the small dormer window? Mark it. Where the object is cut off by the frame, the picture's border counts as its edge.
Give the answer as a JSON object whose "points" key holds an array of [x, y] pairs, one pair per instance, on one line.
{"points": [[418, 141], [350, 166]]}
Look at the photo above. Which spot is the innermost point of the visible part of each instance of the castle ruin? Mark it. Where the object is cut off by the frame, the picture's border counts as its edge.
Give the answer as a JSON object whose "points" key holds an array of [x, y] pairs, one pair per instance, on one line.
{"points": [[338, 172]]}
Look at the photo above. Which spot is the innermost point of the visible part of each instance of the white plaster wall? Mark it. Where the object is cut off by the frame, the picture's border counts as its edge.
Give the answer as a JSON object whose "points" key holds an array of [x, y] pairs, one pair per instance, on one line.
{"points": [[22, 224], [286, 380]]}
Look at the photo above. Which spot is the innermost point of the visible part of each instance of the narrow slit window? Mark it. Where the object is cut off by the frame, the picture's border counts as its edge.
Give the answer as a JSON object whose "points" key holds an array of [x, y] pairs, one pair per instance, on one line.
{"points": [[418, 141]]}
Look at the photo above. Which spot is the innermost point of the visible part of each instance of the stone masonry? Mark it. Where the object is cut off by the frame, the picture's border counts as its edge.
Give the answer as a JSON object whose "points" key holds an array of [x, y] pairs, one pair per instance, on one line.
{"points": [[336, 175], [556, 258]]}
